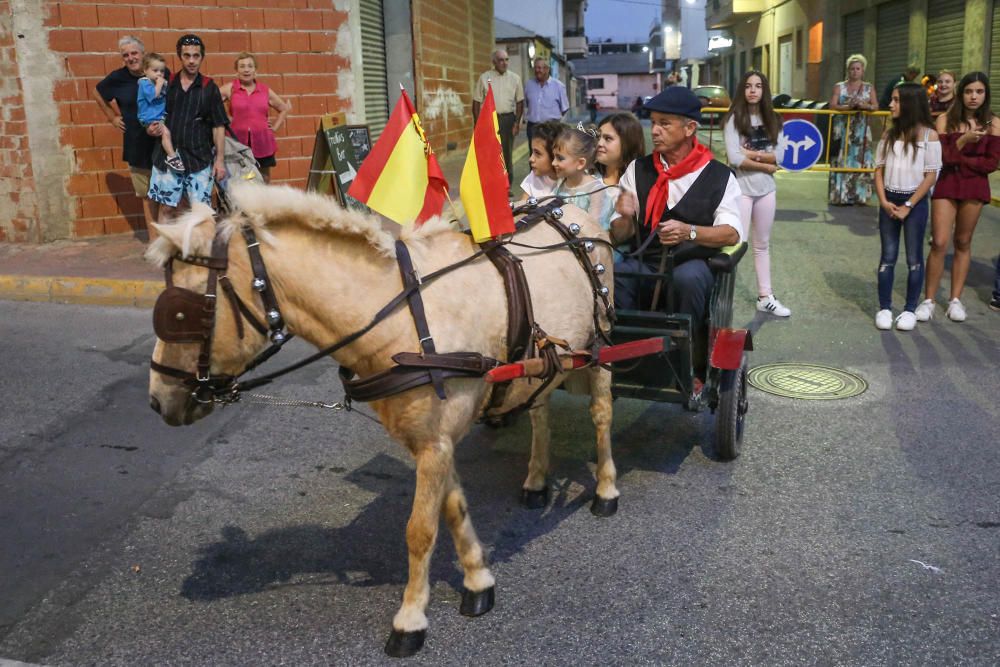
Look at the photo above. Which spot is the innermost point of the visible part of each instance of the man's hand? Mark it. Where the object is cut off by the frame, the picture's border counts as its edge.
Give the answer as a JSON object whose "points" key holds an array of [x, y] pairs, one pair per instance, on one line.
{"points": [[517, 127], [672, 232], [119, 123], [627, 204], [219, 170], [154, 129]]}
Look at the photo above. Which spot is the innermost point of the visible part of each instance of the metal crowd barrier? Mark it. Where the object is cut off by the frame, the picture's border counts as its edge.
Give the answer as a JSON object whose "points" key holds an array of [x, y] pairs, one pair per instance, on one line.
{"points": [[852, 116]]}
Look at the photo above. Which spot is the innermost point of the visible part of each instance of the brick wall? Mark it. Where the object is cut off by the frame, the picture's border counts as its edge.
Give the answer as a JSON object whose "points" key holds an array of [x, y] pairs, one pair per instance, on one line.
{"points": [[18, 208], [453, 45], [296, 42]]}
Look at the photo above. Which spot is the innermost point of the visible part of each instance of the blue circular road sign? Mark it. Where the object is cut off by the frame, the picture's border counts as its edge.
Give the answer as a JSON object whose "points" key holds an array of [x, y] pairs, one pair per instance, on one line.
{"points": [[800, 145]]}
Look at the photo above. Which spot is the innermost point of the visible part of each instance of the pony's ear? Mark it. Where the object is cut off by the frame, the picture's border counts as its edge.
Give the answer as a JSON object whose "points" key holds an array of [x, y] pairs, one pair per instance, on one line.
{"points": [[188, 234]]}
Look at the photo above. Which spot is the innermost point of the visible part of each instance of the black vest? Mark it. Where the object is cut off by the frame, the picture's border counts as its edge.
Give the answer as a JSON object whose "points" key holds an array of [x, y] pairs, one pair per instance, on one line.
{"points": [[696, 207]]}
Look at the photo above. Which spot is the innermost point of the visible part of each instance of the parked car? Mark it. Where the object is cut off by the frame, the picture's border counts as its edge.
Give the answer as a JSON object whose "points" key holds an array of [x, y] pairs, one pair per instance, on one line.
{"points": [[712, 95]]}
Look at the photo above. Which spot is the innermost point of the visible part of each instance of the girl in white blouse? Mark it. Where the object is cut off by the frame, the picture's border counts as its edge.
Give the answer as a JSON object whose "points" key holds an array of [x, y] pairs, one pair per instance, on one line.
{"points": [[907, 162]]}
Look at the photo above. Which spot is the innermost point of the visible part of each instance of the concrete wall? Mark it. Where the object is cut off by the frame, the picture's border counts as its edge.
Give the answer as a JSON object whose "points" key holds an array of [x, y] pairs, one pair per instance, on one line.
{"points": [[631, 86]]}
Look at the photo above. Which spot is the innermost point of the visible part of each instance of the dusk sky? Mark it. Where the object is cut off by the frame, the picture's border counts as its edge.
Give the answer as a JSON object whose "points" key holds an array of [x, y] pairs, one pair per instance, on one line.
{"points": [[621, 20]]}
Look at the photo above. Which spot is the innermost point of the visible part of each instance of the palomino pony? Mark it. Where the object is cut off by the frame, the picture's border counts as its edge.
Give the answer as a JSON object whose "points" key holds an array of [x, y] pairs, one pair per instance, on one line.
{"points": [[331, 270]]}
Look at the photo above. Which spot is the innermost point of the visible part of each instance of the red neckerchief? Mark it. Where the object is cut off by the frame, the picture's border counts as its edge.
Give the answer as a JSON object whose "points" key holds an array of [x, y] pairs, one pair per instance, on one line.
{"points": [[656, 202]]}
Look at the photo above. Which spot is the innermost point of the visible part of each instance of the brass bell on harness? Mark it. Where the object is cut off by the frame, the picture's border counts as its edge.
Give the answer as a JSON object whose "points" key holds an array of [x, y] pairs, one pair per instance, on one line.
{"points": [[259, 284], [557, 213], [599, 269], [574, 228]]}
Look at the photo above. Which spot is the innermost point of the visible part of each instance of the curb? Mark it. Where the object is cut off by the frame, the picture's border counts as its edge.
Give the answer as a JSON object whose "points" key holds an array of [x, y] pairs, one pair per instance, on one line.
{"points": [[88, 291]]}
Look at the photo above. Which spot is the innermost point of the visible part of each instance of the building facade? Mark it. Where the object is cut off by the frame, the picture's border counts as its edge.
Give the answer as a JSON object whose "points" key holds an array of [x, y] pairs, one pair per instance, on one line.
{"points": [[801, 45], [61, 174]]}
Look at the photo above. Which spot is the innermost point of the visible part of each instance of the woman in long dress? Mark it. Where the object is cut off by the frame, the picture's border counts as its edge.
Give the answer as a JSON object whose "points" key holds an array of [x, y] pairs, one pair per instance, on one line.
{"points": [[854, 94]]}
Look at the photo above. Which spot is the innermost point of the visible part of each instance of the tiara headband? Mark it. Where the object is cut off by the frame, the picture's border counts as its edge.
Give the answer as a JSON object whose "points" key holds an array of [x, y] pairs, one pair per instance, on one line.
{"points": [[587, 130]]}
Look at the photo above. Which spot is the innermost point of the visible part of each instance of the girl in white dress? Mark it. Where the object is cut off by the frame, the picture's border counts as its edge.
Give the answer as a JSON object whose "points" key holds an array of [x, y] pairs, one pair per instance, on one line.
{"points": [[541, 179]]}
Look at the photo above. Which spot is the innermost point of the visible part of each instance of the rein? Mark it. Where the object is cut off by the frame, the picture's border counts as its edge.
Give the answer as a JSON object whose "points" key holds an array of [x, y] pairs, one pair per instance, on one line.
{"points": [[177, 304]]}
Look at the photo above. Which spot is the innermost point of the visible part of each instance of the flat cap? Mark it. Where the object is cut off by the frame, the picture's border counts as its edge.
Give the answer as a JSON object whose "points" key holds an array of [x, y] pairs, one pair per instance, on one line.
{"points": [[676, 100]]}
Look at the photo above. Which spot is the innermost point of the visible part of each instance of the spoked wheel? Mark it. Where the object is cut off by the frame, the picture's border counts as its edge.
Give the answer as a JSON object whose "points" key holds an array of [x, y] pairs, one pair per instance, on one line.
{"points": [[731, 413]]}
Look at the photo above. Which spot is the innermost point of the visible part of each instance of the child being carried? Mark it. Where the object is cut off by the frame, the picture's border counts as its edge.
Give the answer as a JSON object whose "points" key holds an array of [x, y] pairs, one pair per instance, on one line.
{"points": [[152, 101]]}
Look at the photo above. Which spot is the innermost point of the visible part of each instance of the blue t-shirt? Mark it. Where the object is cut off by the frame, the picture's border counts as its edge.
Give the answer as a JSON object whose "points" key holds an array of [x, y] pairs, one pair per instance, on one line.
{"points": [[152, 108]]}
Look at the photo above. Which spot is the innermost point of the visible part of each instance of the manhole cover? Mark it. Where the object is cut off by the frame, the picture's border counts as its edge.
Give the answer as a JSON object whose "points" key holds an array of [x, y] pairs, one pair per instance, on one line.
{"points": [[806, 381]]}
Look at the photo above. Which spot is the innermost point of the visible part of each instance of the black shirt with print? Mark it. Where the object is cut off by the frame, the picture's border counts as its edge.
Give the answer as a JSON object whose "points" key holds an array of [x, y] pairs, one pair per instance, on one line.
{"points": [[123, 87], [191, 115]]}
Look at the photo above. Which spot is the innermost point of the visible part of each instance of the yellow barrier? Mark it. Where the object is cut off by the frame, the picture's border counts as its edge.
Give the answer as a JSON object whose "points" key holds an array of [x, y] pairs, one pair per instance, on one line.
{"points": [[820, 166]]}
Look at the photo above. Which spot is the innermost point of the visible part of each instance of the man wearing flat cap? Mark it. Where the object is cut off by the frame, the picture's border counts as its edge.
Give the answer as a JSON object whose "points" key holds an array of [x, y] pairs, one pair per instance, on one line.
{"points": [[681, 201]]}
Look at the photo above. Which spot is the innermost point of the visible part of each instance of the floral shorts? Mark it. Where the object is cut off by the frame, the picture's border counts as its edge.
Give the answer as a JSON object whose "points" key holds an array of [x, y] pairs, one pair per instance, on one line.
{"points": [[167, 187]]}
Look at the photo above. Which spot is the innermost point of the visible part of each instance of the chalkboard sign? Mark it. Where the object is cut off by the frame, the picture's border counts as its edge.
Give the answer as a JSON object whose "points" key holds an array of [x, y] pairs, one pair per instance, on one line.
{"points": [[337, 155]]}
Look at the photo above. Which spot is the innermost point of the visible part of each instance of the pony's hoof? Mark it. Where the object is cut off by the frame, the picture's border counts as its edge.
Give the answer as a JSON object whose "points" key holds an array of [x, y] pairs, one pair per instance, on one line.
{"points": [[404, 644], [535, 500], [602, 507], [477, 603]]}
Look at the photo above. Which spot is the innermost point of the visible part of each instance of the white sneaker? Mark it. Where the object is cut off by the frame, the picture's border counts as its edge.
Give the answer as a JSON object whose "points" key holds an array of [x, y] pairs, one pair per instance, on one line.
{"points": [[925, 311], [768, 304], [906, 321], [956, 311], [883, 319]]}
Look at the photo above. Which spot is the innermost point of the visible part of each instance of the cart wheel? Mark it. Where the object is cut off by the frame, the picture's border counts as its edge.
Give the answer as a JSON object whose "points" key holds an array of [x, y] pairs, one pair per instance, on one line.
{"points": [[732, 411]]}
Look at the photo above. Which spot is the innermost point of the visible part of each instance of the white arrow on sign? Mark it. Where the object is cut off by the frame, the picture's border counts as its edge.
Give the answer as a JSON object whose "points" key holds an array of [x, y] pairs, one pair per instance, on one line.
{"points": [[806, 143], [349, 176]]}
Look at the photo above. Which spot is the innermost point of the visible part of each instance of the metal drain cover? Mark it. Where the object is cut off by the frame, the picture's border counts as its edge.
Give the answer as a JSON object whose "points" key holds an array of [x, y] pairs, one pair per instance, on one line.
{"points": [[806, 381]]}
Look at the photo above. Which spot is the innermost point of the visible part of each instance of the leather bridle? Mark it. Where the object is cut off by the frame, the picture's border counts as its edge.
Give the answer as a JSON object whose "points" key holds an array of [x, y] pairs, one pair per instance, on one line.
{"points": [[185, 316]]}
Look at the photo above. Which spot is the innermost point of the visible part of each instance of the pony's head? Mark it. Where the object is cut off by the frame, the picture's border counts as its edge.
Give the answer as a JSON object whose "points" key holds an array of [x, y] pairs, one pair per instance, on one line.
{"points": [[196, 322]]}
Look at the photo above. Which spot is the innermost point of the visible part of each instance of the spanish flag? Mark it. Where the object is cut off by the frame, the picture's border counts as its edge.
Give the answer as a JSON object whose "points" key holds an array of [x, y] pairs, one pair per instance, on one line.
{"points": [[401, 178], [484, 178]]}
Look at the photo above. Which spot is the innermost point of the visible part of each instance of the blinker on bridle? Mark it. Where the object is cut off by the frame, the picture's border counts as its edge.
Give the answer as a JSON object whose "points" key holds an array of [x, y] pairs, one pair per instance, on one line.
{"points": [[181, 315]]}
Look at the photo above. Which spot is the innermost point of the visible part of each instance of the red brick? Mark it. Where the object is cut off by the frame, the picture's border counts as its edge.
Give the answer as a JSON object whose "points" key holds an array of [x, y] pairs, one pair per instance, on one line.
{"points": [[115, 16], [78, 15], [14, 113], [311, 105], [77, 136], [333, 20], [68, 90], [86, 113], [151, 17], [80, 64], [278, 64], [84, 228], [234, 41], [84, 184], [300, 126], [288, 146], [124, 225], [212, 42], [308, 20], [293, 42], [128, 204], [279, 172], [107, 135], [184, 18], [98, 206], [94, 159], [298, 169], [280, 19], [248, 19], [322, 41], [265, 42], [66, 41], [219, 19], [314, 63], [164, 43], [52, 18], [101, 41]]}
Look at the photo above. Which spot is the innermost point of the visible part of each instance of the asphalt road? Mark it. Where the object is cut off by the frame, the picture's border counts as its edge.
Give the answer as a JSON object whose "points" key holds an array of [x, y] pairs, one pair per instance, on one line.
{"points": [[276, 535]]}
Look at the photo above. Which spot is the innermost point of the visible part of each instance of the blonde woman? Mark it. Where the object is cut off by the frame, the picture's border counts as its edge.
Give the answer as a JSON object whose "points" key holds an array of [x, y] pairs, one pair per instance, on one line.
{"points": [[853, 94]]}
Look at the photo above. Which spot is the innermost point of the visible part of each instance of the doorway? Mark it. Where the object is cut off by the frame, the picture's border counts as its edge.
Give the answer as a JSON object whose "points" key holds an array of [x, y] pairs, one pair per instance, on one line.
{"points": [[785, 65]]}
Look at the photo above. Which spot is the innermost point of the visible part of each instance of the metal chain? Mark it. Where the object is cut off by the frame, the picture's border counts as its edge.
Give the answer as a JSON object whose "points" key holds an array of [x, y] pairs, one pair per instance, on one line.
{"points": [[296, 403]]}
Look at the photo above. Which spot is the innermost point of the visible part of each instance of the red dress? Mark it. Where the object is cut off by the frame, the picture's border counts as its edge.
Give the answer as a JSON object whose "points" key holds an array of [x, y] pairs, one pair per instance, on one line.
{"points": [[250, 119], [965, 173]]}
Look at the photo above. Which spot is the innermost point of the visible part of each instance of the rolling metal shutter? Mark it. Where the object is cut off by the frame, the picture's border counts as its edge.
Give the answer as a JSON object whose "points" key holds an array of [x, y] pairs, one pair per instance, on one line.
{"points": [[945, 35], [373, 69], [994, 72], [892, 42], [854, 34]]}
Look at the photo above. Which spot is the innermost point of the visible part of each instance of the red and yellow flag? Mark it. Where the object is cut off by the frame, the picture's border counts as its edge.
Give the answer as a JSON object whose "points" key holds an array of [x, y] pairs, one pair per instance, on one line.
{"points": [[484, 183], [401, 178]]}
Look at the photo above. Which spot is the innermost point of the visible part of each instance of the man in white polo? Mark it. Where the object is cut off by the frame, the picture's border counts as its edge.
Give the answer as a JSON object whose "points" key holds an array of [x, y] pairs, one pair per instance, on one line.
{"points": [[508, 94]]}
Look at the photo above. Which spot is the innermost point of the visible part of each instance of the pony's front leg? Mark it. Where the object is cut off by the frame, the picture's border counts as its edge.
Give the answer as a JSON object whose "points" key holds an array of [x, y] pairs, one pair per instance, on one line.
{"points": [[478, 593], [434, 469], [535, 492], [606, 501]]}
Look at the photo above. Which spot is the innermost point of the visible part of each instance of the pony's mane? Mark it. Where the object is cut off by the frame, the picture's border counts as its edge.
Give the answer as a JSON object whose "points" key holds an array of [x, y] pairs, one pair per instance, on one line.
{"points": [[261, 205]]}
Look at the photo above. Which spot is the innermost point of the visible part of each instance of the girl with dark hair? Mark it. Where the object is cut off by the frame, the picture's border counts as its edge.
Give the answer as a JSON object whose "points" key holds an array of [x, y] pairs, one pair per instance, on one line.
{"points": [[541, 179], [751, 130], [970, 151], [906, 165], [619, 141]]}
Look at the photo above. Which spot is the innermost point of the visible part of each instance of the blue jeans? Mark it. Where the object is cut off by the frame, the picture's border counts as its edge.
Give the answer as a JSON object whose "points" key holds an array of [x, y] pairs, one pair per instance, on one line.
{"points": [[912, 228]]}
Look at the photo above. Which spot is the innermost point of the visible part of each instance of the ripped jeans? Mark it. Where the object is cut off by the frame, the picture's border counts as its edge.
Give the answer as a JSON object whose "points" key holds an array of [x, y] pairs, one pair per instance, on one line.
{"points": [[912, 228]]}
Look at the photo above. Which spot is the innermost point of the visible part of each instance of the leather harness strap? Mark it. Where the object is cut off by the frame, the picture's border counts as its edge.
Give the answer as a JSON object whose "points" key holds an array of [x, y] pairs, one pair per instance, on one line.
{"points": [[416, 304]]}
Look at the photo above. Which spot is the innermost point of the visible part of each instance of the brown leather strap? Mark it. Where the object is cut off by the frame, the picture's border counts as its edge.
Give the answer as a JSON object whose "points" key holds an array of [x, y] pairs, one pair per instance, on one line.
{"points": [[416, 303], [515, 283], [469, 362]]}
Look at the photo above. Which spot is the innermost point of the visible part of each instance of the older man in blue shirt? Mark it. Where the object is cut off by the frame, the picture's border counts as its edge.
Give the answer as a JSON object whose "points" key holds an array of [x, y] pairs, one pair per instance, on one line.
{"points": [[544, 96]]}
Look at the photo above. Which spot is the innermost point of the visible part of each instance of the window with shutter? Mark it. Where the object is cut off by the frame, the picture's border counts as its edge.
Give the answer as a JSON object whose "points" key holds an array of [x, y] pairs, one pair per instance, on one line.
{"points": [[373, 66]]}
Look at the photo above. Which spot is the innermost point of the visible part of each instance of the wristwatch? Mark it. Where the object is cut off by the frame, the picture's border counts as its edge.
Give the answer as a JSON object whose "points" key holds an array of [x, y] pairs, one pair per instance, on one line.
{"points": [[908, 204], [694, 232]]}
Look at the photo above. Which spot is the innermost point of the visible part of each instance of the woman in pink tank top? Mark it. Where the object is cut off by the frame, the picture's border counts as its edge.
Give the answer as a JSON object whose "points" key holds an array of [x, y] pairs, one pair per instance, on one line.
{"points": [[249, 105]]}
